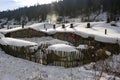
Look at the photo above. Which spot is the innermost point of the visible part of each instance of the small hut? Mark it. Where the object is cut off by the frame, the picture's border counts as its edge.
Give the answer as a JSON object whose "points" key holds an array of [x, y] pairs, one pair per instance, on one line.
{"points": [[88, 53], [19, 48], [34, 30], [23, 33], [63, 55]]}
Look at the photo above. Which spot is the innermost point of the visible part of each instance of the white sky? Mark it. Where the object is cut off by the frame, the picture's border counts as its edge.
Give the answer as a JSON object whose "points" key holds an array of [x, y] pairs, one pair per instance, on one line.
{"points": [[13, 4]]}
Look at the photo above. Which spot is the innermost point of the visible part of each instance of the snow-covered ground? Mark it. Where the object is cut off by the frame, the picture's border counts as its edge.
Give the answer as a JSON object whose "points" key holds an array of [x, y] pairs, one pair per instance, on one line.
{"points": [[12, 68]]}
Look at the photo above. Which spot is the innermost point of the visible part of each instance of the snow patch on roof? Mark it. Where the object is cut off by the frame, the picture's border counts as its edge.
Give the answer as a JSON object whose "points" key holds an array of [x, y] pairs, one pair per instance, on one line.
{"points": [[41, 26], [82, 46], [16, 42], [45, 40], [108, 53], [62, 47], [10, 30], [54, 41]]}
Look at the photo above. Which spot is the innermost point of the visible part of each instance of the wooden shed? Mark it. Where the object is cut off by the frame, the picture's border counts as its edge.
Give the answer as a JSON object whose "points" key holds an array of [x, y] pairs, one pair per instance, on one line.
{"points": [[73, 38], [25, 32], [63, 55], [19, 48]]}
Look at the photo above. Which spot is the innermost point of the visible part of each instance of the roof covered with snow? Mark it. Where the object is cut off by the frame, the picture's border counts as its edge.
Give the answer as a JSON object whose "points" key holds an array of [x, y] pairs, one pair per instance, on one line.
{"points": [[41, 26], [62, 47], [4, 31], [35, 26], [97, 30], [54, 41], [16, 42], [46, 40]]}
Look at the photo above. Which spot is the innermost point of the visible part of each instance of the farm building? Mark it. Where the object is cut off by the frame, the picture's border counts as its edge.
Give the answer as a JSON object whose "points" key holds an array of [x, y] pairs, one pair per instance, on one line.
{"points": [[67, 36], [76, 40], [98, 51], [19, 48], [35, 30], [23, 33], [63, 55]]}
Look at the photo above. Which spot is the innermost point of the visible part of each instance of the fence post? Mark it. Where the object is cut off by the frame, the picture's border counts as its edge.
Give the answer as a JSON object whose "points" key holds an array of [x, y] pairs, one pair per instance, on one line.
{"points": [[71, 25], [63, 26], [105, 31]]}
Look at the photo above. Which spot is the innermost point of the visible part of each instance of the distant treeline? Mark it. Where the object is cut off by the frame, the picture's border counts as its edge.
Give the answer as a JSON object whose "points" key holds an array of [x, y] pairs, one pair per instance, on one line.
{"points": [[63, 8]]}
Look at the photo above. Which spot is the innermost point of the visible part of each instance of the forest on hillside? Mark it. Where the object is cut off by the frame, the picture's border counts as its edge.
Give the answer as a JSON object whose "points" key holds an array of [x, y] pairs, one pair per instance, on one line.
{"points": [[71, 8]]}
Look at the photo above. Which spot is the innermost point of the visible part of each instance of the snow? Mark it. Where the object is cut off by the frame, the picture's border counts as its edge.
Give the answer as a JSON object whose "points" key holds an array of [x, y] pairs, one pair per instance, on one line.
{"points": [[16, 42], [82, 46], [35, 26], [54, 41], [106, 39], [12, 68], [41, 26], [12, 26], [45, 40], [101, 17], [108, 53], [4, 31], [62, 47], [74, 20], [113, 22]]}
